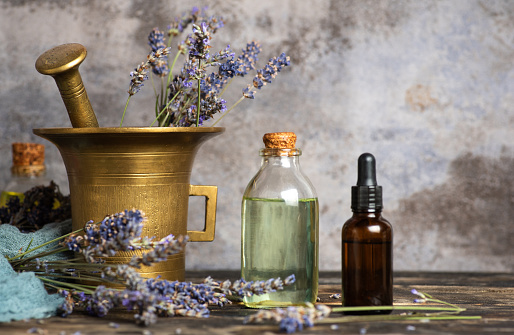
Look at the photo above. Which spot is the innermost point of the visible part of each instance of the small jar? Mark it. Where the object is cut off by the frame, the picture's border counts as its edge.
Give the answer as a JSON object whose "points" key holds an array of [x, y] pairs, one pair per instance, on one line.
{"points": [[279, 231], [28, 170]]}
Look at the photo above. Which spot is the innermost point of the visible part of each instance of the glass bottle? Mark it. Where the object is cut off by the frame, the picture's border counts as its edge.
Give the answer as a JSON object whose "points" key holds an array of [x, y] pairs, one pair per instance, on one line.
{"points": [[279, 232], [367, 269], [28, 170]]}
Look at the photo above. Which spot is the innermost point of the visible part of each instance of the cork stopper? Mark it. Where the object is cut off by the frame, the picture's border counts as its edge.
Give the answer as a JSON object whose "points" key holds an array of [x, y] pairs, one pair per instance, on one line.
{"points": [[284, 140], [28, 159]]}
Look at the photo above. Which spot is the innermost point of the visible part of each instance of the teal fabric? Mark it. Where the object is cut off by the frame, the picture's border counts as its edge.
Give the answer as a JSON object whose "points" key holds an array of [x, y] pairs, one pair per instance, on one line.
{"points": [[23, 295], [12, 240]]}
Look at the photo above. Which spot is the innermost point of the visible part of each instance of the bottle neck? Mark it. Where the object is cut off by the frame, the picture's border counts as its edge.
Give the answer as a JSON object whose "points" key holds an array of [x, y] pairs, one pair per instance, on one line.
{"points": [[28, 170], [366, 199], [375, 214], [283, 158]]}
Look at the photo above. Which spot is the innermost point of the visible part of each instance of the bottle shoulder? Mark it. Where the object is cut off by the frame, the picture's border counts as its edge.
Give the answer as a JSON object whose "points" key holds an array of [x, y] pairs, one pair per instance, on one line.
{"points": [[272, 183], [367, 226]]}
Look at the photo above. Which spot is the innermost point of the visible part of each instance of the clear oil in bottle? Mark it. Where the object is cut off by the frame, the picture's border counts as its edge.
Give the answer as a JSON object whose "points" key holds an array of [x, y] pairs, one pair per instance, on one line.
{"points": [[279, 232]]}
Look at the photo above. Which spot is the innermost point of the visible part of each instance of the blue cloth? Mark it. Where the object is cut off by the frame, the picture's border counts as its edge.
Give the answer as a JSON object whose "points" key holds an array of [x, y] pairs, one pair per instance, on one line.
{"points": [[12, 240], [23, 295]]}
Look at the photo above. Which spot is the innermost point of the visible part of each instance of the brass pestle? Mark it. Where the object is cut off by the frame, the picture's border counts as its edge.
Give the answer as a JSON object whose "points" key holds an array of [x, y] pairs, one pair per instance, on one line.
{"points": [[62, 63]]}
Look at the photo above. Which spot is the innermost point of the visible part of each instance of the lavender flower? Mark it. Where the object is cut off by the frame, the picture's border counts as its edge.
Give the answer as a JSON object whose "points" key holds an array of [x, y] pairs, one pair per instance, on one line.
{"points": [[139, 75], [179, 24], [215, 23], [229, 69], [101, 301], [160, 66], [74, 243], [161, 250], [158, 61], [291, 319], [270, 70], [244, 63], [248, 58], [211, 106], [156, 39], [115, 233], [221, 55], [291, 324], [124, 274], [69, 303], [422, 296], [134, 298], [185, 299], [212, 85], [242, 288], [45, 265], [199, 43], [150, 298], [248, 93]]}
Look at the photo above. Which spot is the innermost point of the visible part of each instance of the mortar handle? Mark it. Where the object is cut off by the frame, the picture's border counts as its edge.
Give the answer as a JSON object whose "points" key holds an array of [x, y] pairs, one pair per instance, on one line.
{"points": [[62, 63]]}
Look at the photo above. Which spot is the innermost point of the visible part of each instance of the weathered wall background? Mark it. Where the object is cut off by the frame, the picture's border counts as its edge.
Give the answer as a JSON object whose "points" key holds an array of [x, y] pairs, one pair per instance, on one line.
{"points": [[427, 86]]}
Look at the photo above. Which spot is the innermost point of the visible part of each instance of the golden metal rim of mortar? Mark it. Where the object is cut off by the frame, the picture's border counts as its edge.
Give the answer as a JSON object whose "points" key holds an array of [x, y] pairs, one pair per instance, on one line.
{"points": [[128, 130]]}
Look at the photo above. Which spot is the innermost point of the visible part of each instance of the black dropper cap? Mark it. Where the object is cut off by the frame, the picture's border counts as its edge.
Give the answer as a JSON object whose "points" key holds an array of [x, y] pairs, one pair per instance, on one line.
{"points": [[366, 195]]}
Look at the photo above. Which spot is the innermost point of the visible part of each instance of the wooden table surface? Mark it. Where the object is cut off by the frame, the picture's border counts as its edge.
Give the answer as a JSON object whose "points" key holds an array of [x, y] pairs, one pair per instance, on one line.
{"points": [[489, 295]]}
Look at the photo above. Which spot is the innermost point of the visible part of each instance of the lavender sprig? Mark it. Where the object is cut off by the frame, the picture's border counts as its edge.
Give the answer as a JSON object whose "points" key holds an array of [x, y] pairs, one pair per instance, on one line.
{"points": [[156, 42], [150, 298], [140, 74], [292, 319], [193, 96], [425, 297], [114, 233], [263, 77], [246, 289], [244, 62], [167, 246], [200, 42], [117, 232], [147, 298]]}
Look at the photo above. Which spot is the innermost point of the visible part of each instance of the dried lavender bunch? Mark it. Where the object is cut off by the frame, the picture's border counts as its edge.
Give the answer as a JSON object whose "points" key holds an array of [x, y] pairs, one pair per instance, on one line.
{"points": [[194, 95], [147, 298], [116, 232], [150, 298], [37, 208]]}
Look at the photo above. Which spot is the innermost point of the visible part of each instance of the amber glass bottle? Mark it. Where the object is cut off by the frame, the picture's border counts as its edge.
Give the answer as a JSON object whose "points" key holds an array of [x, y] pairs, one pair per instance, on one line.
{"points": [[367, 257]]}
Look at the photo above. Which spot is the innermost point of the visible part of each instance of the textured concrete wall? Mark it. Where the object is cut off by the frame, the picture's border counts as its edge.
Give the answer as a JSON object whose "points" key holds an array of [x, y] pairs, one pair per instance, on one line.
{"points": [[427, 86]]}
